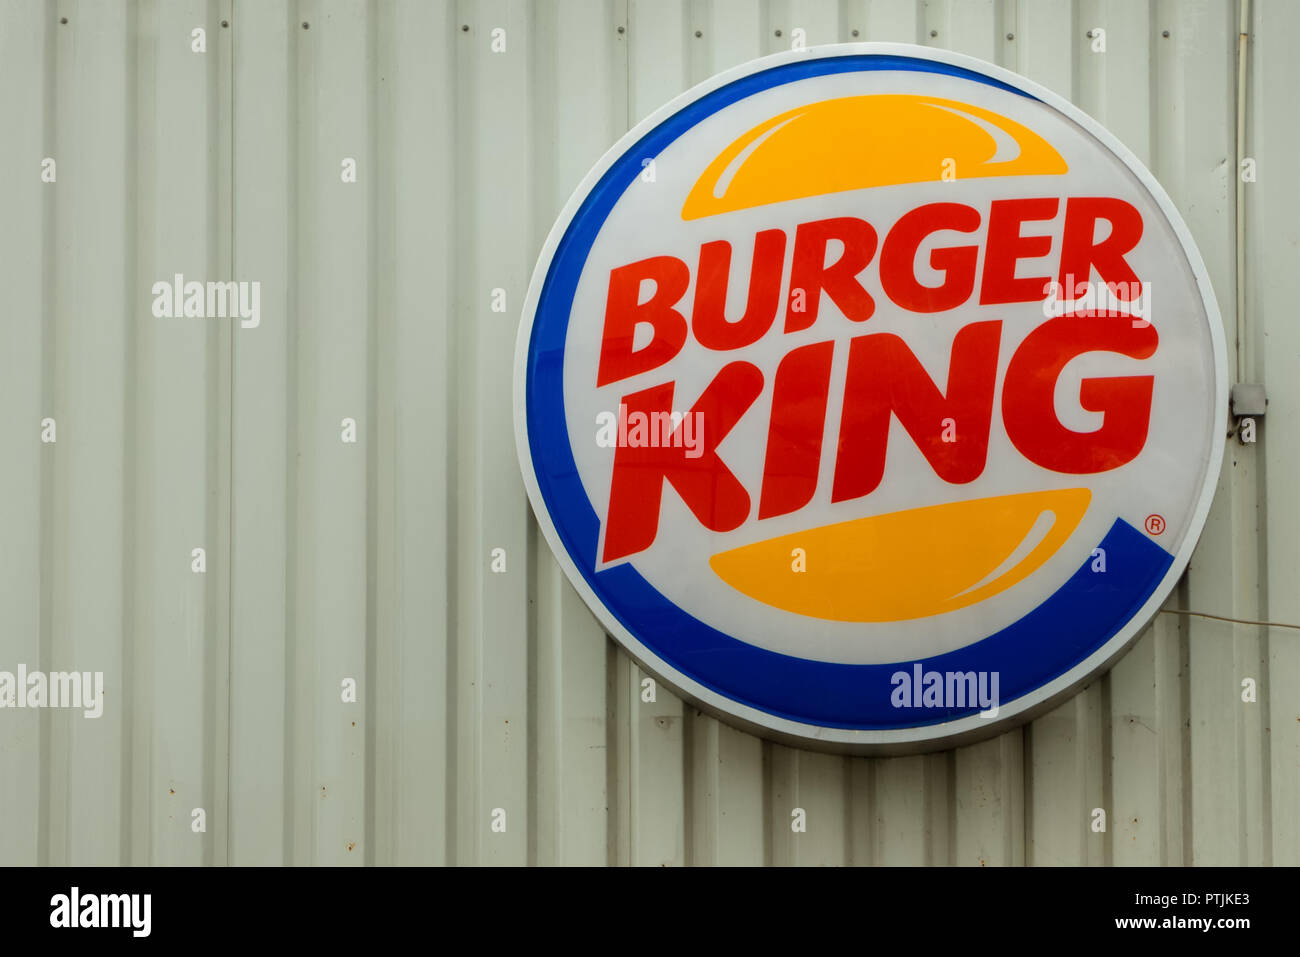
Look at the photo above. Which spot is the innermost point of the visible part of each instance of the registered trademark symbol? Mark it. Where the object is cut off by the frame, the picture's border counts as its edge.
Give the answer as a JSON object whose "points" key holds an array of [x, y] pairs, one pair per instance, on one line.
{"points": [[1155, 524]]}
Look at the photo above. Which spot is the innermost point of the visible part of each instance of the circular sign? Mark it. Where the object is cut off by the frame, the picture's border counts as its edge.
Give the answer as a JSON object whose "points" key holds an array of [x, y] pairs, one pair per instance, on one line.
{"points": [[871, 396]]}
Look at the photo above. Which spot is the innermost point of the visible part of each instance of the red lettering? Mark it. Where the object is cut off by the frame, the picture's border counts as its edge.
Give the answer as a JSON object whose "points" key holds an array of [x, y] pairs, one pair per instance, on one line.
{"points": [[898, 258], [1005, 247], [1079, 253], [885, 377], [709, 320], [1028, 395], [810, 275], [623, 313], [710, 490], [794, 435]]}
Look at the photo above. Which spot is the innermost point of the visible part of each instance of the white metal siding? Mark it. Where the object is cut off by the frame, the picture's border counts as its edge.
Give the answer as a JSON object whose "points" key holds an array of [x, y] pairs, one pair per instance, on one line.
{"points": [[326, 560]]}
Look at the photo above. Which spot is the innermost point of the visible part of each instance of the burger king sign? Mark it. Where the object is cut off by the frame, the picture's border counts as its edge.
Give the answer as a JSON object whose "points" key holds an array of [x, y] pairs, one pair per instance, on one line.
{"points": [[871, 396]]}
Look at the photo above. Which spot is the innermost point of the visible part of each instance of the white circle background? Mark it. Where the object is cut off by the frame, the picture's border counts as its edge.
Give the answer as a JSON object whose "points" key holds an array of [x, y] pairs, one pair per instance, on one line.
{"points": [[1157, 481]]}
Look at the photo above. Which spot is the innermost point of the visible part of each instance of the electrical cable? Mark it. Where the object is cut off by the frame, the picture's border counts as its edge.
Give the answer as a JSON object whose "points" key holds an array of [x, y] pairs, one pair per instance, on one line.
{"points": [[1235, 621]]}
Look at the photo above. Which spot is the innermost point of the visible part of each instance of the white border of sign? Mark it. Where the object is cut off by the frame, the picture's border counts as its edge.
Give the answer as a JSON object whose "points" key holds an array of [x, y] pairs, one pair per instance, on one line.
{"points": [[904, 740]]}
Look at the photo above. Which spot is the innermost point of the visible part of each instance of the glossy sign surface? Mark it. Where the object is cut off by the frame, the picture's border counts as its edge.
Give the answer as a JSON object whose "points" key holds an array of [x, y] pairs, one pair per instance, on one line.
{"points": [[870, 396]]}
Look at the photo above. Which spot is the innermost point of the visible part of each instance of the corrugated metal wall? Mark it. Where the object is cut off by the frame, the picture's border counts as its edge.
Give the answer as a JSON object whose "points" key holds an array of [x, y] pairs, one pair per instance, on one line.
{"points": [[328, 560]]}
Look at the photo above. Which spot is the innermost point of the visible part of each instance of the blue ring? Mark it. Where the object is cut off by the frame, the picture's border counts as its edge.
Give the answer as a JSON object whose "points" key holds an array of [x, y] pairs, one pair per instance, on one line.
{"points": [[1085, 613]]}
